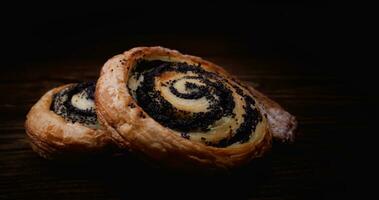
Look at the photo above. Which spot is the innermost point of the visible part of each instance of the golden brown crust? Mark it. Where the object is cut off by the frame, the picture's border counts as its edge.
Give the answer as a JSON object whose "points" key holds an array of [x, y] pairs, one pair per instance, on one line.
{"points": [[147, 137], [52, 137]]}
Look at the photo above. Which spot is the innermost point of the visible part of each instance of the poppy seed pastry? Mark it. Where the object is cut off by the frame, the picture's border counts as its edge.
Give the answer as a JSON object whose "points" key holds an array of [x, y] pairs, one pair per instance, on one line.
{"points": [[63, 123], [185, 112]]}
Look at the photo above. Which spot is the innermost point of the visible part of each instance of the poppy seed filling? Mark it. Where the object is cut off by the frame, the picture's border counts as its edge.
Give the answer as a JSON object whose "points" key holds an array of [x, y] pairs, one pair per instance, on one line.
{"points": [[191, 83], [76, 104]]}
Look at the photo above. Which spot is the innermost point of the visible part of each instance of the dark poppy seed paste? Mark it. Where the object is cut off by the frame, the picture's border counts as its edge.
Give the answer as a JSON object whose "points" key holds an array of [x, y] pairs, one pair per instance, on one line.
{"points": [[76, 104], [201, 105]]}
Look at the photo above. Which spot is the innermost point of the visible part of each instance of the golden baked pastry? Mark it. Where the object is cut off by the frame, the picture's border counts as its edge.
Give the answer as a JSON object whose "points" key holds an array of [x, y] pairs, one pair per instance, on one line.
{"points": [[63, 123], [185, 112]]}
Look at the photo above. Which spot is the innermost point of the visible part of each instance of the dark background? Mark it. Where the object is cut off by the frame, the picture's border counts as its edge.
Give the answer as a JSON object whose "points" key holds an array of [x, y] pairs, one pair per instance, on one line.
{"points": [[299, 55]]}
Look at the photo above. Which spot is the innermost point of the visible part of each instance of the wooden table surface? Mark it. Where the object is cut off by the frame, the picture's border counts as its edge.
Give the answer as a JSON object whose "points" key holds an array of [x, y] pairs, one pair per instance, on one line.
{"points": [[316, 166]]}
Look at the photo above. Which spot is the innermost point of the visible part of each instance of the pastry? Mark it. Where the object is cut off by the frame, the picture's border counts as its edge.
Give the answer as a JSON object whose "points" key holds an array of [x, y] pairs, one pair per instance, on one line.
{"points": [[63, 123], [185, 112]]}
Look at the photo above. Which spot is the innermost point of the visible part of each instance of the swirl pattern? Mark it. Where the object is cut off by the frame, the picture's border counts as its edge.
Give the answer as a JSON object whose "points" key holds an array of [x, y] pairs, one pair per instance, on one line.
{"points": [[76, 104], [201, 105]]}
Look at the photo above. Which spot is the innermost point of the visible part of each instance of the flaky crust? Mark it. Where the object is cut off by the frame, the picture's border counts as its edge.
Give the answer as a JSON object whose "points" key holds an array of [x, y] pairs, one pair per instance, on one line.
{"points": [[52, 137], [282, 124], [149, 138]]}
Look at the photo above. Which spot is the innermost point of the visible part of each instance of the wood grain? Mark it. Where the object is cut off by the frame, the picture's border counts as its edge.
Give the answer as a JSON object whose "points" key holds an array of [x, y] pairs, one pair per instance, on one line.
{"points": [[311, 168]]}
